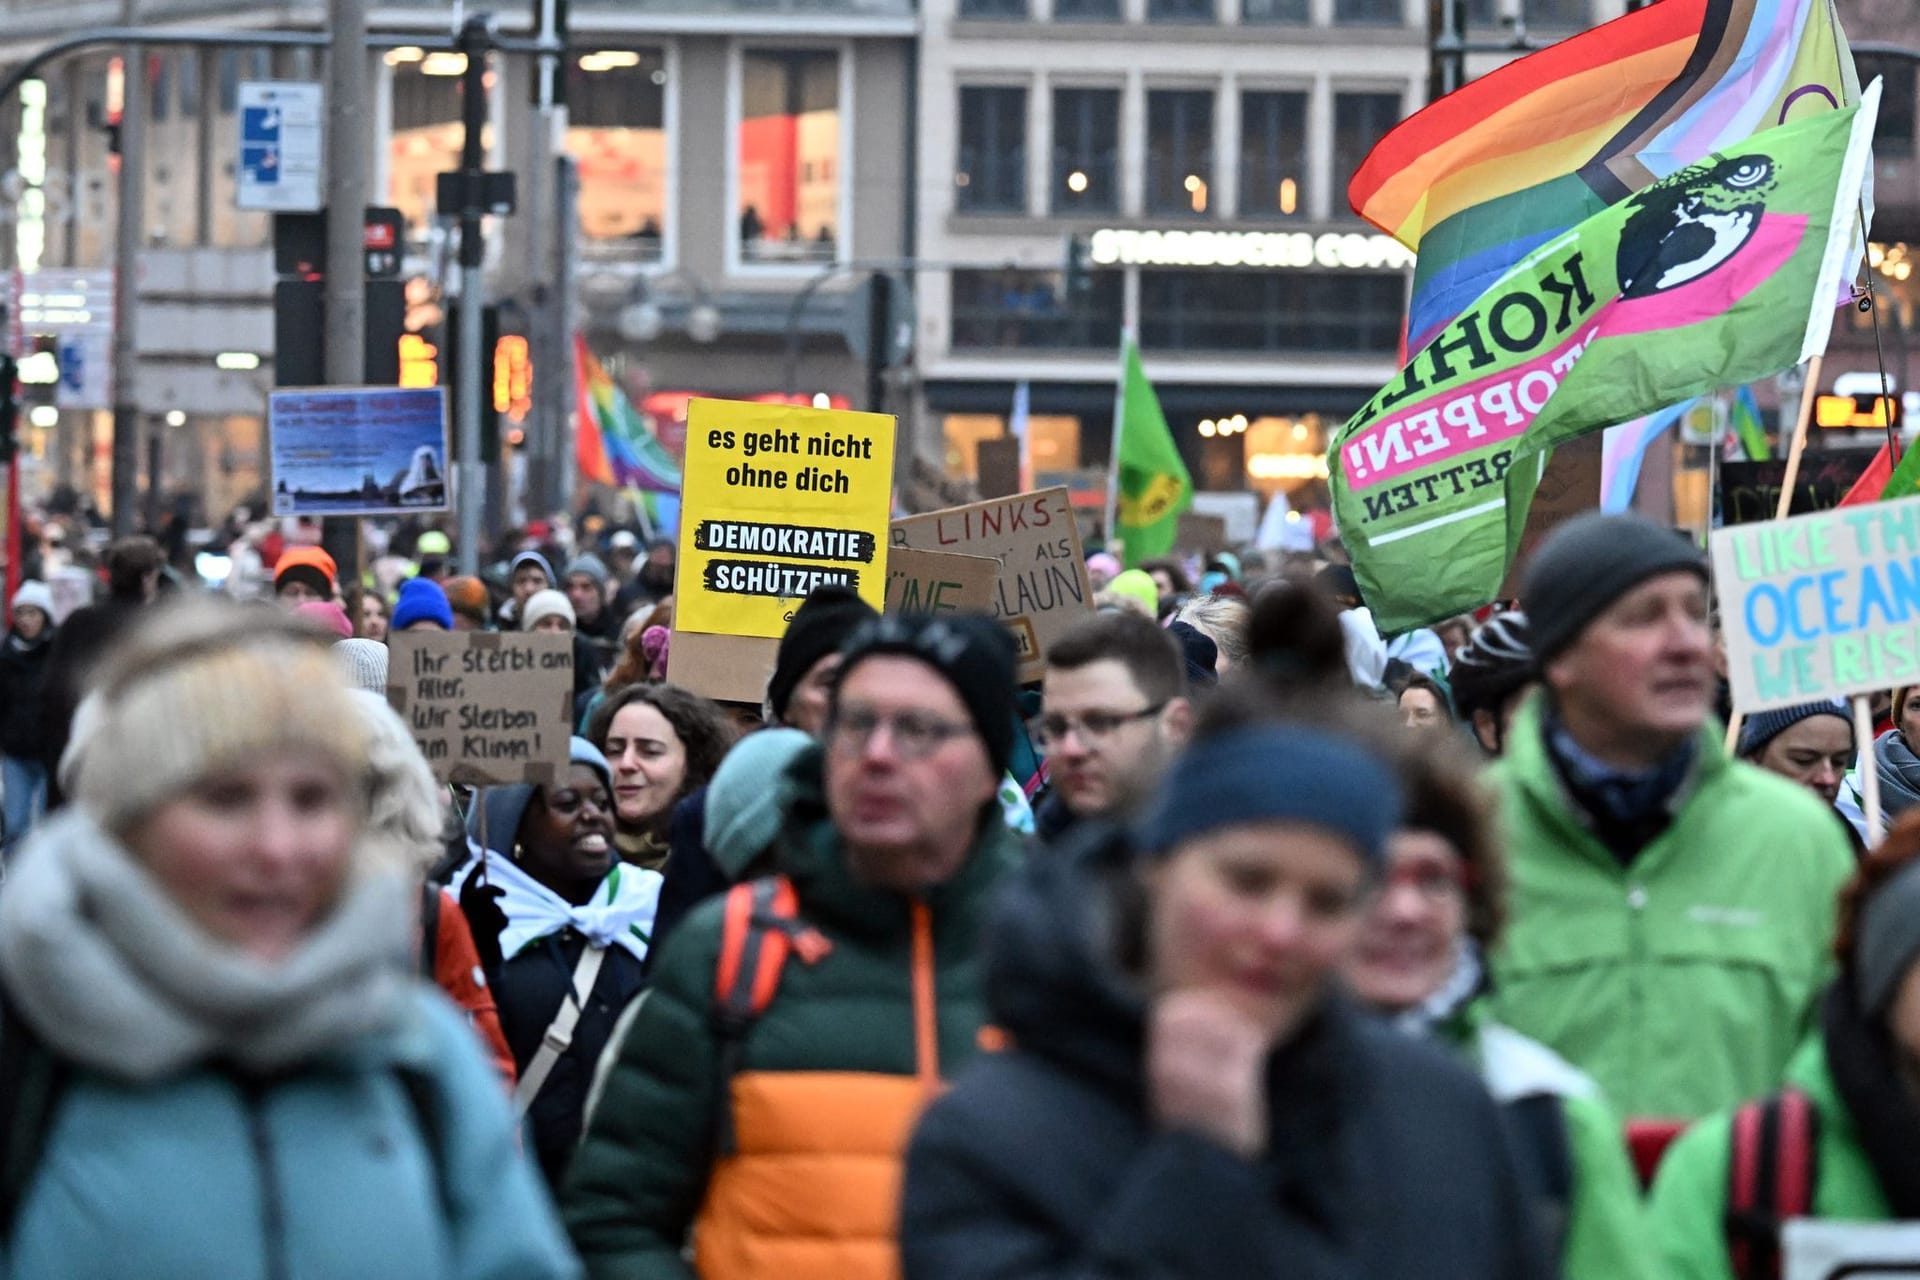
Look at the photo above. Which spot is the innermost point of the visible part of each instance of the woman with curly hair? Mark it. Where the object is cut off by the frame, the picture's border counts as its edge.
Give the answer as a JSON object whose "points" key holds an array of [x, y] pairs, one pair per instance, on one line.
{"points": [[1840, 1138], [663, 743]]}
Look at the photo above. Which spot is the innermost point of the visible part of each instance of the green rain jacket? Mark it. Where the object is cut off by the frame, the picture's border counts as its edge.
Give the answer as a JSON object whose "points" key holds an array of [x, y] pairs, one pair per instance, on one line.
{"points": [[1690, 1195], [1683, 982], [1605, 1234]]}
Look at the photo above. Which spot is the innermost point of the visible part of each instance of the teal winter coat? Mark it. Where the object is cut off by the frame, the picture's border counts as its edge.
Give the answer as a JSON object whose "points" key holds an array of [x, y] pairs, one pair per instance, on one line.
{"points": [[327, 1173]]}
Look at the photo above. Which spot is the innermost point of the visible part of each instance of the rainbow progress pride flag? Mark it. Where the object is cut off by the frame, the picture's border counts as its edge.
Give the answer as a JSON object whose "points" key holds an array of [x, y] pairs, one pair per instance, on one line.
{"points": [[612, 443], [1482, 177]]}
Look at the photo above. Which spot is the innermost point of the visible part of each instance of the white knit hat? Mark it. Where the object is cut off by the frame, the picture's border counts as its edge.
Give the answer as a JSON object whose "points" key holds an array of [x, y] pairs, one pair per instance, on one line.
{"points": [[364, 663], [198, 687], [34, 594], [545, 604]]}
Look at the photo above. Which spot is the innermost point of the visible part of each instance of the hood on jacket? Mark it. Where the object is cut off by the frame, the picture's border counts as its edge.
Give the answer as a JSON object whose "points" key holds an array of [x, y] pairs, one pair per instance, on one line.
{"points": [[498, 810]]}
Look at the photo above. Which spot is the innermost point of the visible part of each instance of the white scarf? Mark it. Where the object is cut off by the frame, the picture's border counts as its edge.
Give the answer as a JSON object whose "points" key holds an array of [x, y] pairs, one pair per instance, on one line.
{"points": [[620, 911], [114, 975]]}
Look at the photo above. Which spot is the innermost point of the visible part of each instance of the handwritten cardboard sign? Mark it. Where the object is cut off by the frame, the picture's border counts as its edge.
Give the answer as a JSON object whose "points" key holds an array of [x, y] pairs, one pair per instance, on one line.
{"points": [[1750, 491], [487, 708], [940, 582], [1043, 587], [1820, 606], [776, 501]]}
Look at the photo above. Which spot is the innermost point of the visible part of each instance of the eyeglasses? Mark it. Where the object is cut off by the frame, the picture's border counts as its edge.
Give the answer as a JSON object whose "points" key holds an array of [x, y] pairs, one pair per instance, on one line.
{"points": [[915, 735], [1092, 728], [1434, 884]]}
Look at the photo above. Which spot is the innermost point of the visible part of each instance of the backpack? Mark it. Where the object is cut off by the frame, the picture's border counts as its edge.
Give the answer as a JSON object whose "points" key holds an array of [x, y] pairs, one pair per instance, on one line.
{"points": [[761, 927], [34, 1079], [1539, 1122], [1771, 1173]]}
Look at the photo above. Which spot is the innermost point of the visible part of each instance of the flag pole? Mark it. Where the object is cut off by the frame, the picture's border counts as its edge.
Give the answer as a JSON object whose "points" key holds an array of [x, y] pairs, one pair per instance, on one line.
{"points": [[1869, 772], [1119, 421], [1808, 390]]}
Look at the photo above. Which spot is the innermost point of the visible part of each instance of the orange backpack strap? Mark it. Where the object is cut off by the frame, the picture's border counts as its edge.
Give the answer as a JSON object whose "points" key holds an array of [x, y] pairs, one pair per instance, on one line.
{"points": [[761, 927], [1771, 1170]]}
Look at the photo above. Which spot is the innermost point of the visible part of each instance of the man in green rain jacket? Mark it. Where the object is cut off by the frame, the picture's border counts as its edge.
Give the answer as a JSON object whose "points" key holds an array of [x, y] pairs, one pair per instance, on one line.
{"points": [[1671, 910]]}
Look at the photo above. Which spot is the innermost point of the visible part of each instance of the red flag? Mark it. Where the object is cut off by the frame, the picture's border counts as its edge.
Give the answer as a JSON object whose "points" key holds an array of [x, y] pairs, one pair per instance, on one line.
{"points": [[1872, 481]]}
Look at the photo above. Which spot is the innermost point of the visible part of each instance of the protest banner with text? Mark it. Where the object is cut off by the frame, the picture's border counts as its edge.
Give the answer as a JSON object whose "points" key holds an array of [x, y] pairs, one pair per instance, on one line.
{"points": [[487, 708], [1820, 606], [777, 501], [1043, 587], [1720, 273], [939, 582]]}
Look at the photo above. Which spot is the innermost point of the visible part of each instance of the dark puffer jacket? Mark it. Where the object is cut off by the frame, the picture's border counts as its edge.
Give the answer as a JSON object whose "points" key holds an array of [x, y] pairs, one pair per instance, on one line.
{"points": [[23, 675], [1387, 1160]]}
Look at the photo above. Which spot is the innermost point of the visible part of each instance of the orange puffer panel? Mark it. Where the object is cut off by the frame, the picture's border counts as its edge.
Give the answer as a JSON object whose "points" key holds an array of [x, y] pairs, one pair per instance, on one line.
{"points": [[814, 1191]]}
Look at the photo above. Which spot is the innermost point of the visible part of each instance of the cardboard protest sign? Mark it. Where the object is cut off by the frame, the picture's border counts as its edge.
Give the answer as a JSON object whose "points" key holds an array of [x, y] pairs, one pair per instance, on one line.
{"points": [[1043, 587], [487, 708], [1832, 1250], [939, 582], [1820, 606], [724, 668], [358, 450], [778, 500]]}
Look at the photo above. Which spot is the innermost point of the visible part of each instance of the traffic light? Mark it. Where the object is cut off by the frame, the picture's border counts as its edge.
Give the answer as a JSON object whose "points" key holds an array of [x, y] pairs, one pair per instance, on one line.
{"points": [[1863, 413], [1079, 268]]}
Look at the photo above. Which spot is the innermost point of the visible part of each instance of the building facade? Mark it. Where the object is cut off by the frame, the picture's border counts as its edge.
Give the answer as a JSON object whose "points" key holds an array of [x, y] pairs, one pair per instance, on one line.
{"points": [[1196, 153], [730, 158]]}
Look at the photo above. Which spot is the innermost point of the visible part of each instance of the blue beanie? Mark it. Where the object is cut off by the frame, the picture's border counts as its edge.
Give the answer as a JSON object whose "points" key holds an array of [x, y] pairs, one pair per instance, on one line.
{"points": [[421, 600], [1276, 773], [1757, 730]]}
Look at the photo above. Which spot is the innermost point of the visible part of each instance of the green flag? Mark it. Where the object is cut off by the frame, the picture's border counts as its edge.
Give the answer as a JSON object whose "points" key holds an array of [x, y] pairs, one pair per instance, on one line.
{"points": [[1726, 271], [1153, 483]]}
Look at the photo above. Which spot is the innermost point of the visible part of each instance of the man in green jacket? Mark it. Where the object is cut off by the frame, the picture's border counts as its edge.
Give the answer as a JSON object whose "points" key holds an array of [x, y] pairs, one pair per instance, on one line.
{"points": [[772, 1141], [1672, 910]]}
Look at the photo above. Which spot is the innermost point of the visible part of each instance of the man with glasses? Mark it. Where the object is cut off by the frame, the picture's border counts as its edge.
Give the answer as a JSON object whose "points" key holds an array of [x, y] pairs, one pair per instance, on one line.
{"points": [[1116, 713], [892, 844]]}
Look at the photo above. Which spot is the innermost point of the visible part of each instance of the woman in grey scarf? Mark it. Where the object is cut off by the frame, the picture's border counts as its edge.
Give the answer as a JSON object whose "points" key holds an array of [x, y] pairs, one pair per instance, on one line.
{"points": [[214, 1057]]}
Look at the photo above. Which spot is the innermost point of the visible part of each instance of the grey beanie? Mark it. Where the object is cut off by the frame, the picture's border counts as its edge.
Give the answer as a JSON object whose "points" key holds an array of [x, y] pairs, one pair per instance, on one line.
{"points": [[500, 809], [589, 564], [746, 801], [1586, 564], [1757, 730], [1887, 939]]}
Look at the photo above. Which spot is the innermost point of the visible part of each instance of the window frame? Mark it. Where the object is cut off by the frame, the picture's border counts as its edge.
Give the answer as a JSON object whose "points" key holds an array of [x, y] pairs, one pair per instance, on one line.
{"points": [[1019, 204], [737, 263], [1116, 175], [1303, 211], [1186, 213], [669, 259]]}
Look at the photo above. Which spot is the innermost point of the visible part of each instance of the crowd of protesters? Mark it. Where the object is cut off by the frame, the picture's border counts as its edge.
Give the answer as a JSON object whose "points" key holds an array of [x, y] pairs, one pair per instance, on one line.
{"points": [[1244, 942]]}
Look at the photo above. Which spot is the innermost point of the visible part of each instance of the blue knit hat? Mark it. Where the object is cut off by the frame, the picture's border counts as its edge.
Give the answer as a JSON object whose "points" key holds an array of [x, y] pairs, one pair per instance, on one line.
{"points": [[1276, 773], [1763, 727], [421, 600]]}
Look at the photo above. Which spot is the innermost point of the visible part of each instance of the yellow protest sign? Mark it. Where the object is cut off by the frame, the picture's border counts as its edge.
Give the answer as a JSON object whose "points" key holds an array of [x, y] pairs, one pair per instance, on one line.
{"points": [[776, 501]]}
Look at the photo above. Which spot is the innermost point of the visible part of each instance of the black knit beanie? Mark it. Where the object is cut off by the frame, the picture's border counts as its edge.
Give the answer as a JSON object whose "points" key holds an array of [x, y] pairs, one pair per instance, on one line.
{"points": [[1589, 562], [971, 652], [820, 626]]}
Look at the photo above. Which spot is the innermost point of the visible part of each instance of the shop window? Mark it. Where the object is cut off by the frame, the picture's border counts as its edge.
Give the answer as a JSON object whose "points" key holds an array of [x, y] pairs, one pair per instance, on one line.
{"points": [[997, 310], [789, 156], [1086, 150], [1273, 154], [617, 132], [1359, 121], [992, 174], [1179, 151], [1310, 311]]}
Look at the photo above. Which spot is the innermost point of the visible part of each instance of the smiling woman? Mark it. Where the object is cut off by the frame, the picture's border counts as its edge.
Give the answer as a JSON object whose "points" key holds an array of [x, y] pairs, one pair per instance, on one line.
{"points": [[562, 927], [207, 956]]}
